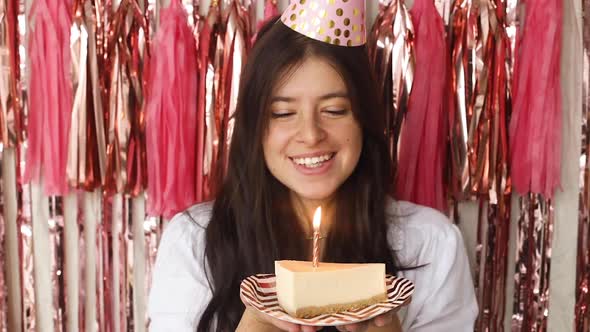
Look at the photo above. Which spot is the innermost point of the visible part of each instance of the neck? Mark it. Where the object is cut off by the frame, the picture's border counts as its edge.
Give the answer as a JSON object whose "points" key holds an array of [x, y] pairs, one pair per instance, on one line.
{"points": [[305, 209]]}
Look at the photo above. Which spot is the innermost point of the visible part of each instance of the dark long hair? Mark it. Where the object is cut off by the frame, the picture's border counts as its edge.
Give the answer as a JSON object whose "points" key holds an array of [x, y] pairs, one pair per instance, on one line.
{"points": [[253, 223]]}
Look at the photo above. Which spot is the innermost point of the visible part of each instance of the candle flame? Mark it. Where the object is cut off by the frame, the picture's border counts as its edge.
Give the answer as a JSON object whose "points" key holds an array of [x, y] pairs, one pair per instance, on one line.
{"points": [[317, 218]]}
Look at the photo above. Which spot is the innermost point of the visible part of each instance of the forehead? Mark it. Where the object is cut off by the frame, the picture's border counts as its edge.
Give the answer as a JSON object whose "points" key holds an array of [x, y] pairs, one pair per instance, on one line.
{"points": [[313, 77]]}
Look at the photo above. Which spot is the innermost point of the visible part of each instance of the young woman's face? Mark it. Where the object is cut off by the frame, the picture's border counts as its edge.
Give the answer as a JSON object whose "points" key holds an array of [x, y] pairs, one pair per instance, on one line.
{"points": [[313, 142]]}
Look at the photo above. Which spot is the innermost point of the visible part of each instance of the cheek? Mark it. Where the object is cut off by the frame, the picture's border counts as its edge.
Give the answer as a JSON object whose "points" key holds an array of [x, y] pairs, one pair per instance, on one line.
{"points": [[274, 145], [355, 145], [281, 135], [267, 148], [355, 139]]}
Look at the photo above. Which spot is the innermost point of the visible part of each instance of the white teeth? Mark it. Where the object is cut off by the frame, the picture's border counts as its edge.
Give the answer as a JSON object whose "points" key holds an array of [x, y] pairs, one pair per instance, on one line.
{"points": [[313, 162]]}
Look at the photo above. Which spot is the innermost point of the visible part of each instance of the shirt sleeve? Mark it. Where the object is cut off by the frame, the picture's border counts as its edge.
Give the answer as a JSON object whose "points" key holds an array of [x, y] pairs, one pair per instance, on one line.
{"points": [[444, 298], [180, 292]]}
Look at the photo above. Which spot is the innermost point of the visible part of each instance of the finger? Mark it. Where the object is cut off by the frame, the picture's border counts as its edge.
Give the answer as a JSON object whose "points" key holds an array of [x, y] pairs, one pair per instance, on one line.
{"points": [[306, 328], [383, 320], [357, 327], [284, 326]]}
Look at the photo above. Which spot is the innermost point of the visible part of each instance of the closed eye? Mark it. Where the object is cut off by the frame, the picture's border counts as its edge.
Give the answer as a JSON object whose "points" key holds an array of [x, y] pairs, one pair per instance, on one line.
{"points": [[277, 115], [336, 112]]}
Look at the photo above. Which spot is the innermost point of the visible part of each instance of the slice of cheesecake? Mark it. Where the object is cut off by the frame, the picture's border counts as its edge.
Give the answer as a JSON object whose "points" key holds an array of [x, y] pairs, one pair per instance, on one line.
{"points": [[304, 291]]}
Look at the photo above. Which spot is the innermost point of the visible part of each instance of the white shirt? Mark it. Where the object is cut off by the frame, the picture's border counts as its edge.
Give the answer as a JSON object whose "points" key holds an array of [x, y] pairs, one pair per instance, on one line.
{"points": [[443, 300]]}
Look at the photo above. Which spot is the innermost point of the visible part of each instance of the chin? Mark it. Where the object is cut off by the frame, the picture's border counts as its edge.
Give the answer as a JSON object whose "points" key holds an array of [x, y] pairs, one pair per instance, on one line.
{"points": [[315, 195]]}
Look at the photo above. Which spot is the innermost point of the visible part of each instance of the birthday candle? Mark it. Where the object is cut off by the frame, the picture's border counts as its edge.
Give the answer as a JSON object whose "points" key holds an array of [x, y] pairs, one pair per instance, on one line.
{"points": [[317, 219]]}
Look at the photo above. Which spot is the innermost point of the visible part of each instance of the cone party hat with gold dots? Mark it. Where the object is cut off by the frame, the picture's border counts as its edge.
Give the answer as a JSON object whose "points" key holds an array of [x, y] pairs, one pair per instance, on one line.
{"points": [[337, 22]]}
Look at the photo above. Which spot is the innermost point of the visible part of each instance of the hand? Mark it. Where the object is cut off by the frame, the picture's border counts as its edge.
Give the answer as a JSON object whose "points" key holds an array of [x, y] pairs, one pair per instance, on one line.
{"points": [[262, 322], [253, 320], [388, 319]]}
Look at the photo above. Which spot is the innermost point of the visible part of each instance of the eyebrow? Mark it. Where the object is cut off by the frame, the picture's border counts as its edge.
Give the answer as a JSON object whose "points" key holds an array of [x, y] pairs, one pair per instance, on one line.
{"points": [[324, 97]]}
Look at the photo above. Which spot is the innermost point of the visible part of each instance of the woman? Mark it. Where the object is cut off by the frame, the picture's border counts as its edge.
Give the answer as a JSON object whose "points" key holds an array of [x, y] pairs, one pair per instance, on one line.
{"points": [[308, 133]]}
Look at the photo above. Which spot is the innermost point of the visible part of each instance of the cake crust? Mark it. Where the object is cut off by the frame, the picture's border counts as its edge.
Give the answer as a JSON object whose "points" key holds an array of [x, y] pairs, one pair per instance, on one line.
{"points": [[310, 312]]}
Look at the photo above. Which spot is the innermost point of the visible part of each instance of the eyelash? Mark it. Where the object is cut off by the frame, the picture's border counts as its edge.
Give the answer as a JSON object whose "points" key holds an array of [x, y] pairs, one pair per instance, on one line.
{"points": [[330, 112], [336, 112], [281, 115]]}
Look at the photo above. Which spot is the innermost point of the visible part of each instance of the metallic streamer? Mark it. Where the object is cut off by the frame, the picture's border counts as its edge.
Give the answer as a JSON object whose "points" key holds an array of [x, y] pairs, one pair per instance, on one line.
{"points": [[137, 36], [491, 259], [118, 132], [125, 151], [250, 18], [81, 233], [466, 66], [488, 113], [81, 266], [531, 296], [98, 130], [129, 285], [105, 291], [78, 143], [236, 29], [16, 200], [582, 313], [26, 266], [126, 269], [87, 151], [535, 136], [513, 20], [57, 267], [11, 238], [101, 44], [481, 57], [117, 264], [104, 244], [151, 12], [197, 20], [112, 293], [444, 9], [209, 62], [215, 113], [391, 51], [140, 276], [11, 110], [122, 49]]}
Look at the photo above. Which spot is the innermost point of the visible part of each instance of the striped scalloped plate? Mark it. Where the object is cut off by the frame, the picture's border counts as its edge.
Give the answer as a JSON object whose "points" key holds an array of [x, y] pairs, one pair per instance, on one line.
{"points": [[258, 291]]}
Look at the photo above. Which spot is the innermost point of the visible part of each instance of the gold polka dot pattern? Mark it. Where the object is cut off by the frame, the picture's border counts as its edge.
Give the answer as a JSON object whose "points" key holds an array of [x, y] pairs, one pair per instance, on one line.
{"points": [[337, 22]]}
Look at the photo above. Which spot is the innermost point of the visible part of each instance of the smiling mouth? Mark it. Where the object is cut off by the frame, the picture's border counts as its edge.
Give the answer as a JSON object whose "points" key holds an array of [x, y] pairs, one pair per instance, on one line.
{"points": [[313, 162]]}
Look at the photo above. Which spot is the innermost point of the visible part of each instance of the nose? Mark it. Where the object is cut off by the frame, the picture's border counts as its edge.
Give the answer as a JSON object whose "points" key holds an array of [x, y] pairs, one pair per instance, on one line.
{"points": [[310, 130]]}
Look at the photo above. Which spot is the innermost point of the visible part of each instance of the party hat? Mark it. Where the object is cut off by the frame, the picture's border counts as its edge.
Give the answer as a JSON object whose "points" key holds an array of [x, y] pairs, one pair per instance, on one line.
{"points": [[337, 22]]}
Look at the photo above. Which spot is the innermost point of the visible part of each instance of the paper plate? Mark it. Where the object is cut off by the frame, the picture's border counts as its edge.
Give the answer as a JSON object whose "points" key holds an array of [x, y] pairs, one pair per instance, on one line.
{"points": [[258, 291]]}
